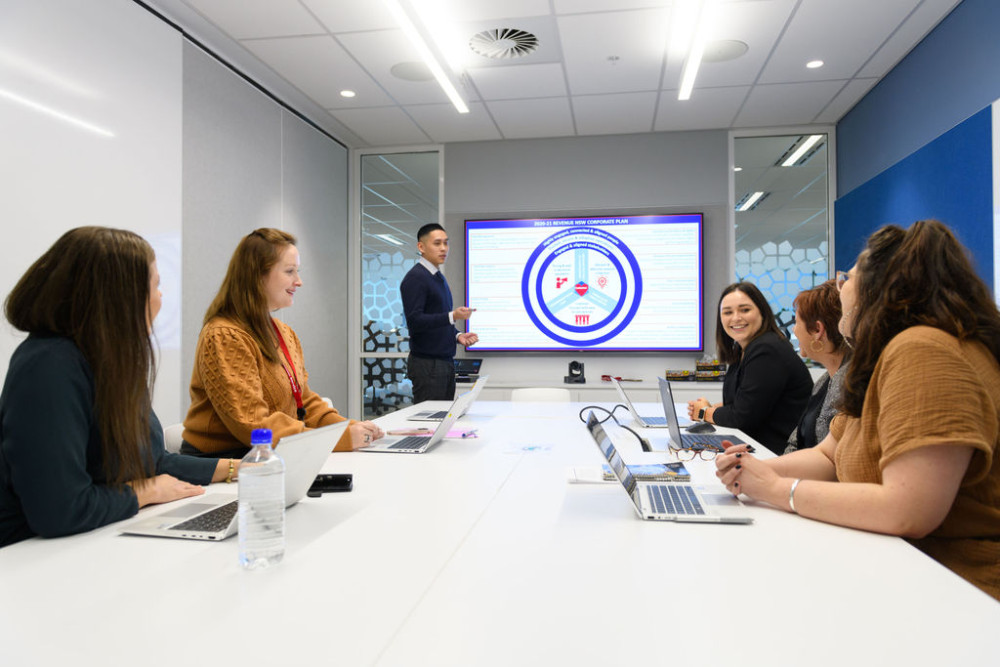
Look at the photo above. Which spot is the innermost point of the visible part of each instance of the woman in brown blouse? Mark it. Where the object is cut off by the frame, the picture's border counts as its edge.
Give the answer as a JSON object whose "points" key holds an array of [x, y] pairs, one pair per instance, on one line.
{"points": [[915, 450]]}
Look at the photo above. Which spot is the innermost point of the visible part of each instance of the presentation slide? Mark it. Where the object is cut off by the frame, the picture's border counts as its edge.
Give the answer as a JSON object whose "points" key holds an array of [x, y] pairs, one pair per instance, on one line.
{"points": [[609, 283]]}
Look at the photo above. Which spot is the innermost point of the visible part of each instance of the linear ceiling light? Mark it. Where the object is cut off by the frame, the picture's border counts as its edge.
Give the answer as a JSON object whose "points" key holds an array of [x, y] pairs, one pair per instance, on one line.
{"points": [[750, 201], [802, 150], [389, 238], [705, 13], [49, 111], [416, 30]]}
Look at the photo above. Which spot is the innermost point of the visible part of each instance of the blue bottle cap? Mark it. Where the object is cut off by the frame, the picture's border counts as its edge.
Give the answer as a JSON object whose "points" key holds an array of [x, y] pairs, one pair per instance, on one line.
{"points": [[260, 436]]}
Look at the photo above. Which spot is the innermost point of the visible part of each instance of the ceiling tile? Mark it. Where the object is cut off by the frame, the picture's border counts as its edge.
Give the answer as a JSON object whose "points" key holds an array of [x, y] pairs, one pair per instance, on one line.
{"points": [[443, 124], [581, 6], [635, 38], [382, 126], [786, 103], [708, 108], [530, 119], [832, 32], [320, 68], [519, 81], [379, 51], [258, 18], [351, 15], [625, 113], [481, 10]]}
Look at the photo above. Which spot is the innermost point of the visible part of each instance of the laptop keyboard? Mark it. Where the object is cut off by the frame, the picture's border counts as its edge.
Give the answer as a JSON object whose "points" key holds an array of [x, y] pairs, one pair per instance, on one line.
{"points": [[701, 440], [212, 521], [659, 421], [409, 442], [674, 499], [436, 415]]}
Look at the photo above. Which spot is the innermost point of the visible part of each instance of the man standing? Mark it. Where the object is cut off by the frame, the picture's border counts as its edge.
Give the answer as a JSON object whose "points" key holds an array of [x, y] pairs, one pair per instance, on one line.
{"points": [[427, 306]]}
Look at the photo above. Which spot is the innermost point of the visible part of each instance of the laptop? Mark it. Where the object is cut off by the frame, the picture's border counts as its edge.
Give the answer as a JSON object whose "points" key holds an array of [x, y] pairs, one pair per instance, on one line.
{"points": [[215, 517], [688, 440], [438, 415], [645, 422], [467, 369], [667, 501], [418, 444]]}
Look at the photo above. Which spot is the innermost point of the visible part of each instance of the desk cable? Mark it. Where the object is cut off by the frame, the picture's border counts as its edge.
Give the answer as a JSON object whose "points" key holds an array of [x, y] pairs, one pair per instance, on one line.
{"points": [[610, 414]]}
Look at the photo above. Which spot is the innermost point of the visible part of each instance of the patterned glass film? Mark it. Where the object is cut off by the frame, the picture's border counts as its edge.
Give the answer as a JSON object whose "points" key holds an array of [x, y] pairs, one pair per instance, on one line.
{"points": [[399, 194], [782, 234]]}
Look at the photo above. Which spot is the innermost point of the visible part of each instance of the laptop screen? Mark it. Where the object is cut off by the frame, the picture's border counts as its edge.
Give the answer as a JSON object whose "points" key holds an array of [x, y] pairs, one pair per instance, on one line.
{"points": [[610, 453], [467, 366], [670, 411]]}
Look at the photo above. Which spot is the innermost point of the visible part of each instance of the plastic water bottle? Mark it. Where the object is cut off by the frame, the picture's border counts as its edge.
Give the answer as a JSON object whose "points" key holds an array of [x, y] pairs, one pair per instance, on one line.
{"points": [[262, 504]]}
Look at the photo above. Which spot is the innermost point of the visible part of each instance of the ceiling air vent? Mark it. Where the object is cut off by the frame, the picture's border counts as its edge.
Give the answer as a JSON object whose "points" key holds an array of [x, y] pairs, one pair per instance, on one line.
{"points": [[503, 43]]}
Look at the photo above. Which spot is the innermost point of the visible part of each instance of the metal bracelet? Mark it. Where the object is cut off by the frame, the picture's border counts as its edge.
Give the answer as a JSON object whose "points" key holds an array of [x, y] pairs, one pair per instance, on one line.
{"points": [[791, 496]]}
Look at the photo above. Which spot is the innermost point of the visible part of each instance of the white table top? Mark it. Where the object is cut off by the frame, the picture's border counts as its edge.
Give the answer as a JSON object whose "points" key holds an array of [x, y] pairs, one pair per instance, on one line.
{"points": [[480, 553]]}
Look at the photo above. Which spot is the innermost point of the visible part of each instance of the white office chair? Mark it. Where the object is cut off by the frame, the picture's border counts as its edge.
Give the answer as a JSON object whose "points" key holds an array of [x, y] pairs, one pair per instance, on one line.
{"points": [[540, 395], [172, 437]]}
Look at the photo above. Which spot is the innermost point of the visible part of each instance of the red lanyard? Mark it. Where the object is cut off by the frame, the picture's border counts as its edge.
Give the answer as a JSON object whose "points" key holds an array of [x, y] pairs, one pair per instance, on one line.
{"points": [[292, 377]]}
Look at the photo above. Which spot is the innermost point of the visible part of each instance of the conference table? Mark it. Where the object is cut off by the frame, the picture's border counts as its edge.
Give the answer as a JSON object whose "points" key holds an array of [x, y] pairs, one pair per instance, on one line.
{"points": [[481, 552]]}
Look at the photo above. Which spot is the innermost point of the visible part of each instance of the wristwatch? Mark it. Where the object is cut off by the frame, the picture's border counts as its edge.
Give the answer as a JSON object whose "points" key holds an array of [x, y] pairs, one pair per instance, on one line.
{"points": [[701, 413]]}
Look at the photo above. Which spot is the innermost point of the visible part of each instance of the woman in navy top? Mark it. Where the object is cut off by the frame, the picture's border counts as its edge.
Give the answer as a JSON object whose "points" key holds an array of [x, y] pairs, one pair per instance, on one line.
{"points": [[80, 446]]}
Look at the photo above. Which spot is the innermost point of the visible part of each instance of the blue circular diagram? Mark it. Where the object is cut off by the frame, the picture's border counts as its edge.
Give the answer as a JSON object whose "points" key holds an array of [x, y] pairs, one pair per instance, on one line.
{"points": [[581, 286]]}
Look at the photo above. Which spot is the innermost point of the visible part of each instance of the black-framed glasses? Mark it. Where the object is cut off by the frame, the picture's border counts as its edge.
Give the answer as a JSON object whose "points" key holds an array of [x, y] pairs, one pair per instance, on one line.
{"points": [[703, 451], [842, 277]]}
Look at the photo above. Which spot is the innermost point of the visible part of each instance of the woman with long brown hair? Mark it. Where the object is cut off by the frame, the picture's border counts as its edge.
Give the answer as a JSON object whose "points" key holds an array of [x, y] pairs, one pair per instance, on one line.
{"points": [[916, 451], [766, 386], [249, 370], [80, 446]]}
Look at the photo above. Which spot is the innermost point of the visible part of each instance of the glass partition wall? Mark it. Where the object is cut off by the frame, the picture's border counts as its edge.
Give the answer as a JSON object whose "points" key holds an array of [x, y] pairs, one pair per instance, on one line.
{"points": [[781, 217], [400, 192]]}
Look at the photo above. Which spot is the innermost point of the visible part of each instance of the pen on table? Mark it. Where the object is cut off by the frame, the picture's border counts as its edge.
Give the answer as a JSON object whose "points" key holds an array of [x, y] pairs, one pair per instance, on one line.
{"points": [[470, 434]]}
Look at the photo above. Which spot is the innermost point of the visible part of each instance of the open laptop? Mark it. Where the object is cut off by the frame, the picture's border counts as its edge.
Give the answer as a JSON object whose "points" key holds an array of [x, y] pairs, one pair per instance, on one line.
{"points": [[438, 415], [645, 422], [667, 501], [215, 517], [418, 444], [467, 369], [688, 440]]}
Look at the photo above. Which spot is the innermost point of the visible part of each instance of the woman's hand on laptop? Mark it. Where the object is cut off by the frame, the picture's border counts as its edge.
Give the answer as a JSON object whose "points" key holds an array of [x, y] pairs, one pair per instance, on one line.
{"points": [[163, 489], [364, 433]]}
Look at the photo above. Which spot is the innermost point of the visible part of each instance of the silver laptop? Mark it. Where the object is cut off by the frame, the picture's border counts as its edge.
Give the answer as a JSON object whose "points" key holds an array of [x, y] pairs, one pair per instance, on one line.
{"points": [[438, 415], [645, 422], [215, 517], [418, 444], [688, 440], [668, 501]]}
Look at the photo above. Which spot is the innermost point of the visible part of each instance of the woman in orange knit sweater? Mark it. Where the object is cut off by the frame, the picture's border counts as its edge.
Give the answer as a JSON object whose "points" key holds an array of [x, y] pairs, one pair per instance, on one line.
{"points": [[249, 371]]}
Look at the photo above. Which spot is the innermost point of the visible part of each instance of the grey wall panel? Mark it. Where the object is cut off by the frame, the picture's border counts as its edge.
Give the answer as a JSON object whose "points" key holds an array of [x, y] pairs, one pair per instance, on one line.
{"points": [[680, 172], [315, 209], [231, 181]]}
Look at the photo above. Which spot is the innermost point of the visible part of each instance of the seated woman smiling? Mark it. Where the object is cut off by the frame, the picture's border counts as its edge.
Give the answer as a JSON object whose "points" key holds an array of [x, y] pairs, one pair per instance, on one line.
{"points": [[767, 386], [916, 450]]}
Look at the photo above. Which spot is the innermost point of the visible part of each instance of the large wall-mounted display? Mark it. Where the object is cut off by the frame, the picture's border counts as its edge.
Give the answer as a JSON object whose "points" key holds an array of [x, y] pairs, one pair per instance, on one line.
{"points": [[610, 283]]}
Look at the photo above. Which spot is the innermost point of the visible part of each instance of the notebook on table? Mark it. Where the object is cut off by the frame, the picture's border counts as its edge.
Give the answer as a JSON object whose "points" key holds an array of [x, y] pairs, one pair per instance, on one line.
{"points": [[667, 501], [215, 517], [644, 421], [438, 415], [418, 444], [688, 440]]}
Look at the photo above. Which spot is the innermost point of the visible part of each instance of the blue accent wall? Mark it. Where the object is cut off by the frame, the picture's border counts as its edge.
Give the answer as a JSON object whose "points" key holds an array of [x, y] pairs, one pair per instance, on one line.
{"points": [[947, 77], [949, 179]]}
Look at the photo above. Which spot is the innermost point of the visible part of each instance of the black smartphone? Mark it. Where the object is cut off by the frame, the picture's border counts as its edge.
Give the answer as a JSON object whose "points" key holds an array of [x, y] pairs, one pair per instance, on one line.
{"points": [[330, 483]]}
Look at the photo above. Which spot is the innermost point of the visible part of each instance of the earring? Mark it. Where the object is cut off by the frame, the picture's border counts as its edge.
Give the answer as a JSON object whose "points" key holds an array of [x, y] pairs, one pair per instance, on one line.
{"points": [[812, 345]]}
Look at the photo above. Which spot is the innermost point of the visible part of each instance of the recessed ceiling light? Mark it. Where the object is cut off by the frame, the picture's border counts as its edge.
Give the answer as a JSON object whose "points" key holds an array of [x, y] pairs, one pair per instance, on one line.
{"points": [[347, 93], [737, 168], [813, 64]]}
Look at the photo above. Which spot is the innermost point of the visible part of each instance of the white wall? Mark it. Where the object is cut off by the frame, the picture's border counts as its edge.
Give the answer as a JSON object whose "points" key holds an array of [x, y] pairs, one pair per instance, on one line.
{"points": [[116, 67], [678, 172]]}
